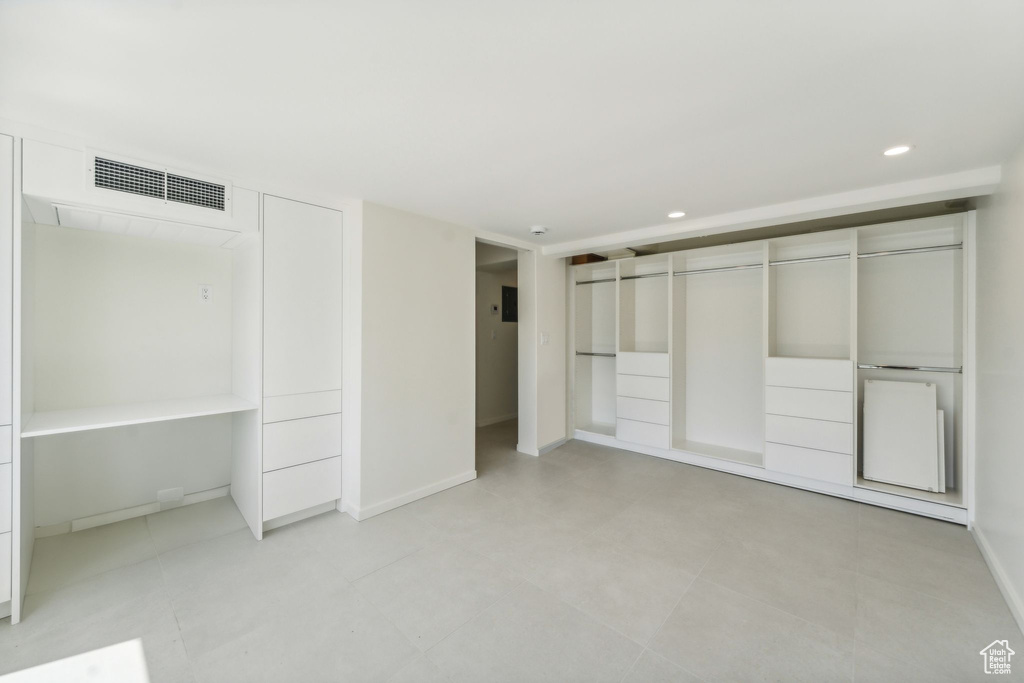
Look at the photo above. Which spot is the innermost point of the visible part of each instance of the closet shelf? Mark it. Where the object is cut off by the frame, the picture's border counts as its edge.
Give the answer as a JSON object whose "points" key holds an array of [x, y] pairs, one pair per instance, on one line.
{"points": [[101, 417], [720, 452]]}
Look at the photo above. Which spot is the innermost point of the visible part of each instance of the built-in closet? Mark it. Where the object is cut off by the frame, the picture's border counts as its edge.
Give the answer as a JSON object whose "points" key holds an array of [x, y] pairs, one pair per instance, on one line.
{"points": [[175, 338], [752, 358]]}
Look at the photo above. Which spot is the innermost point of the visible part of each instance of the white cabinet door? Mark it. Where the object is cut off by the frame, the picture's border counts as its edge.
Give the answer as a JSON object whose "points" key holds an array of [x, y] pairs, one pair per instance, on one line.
{"points": [[6, 266], [302, 298]]}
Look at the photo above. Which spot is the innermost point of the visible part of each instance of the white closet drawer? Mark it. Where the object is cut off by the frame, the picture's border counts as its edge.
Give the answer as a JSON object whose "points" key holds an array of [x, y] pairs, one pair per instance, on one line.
{"points": [[643, 410], [5, 498], [5, 444], [809, 373], [649, 364], [807, 462], [818, 434], [836, 406], [300, 487], [297, 441], [5, 567], [295, 406], [642, 432], [635, 386]]}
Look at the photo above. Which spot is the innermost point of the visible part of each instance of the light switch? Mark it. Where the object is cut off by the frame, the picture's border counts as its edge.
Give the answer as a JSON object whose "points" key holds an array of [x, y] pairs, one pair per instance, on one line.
{"points": [[545, 338]]}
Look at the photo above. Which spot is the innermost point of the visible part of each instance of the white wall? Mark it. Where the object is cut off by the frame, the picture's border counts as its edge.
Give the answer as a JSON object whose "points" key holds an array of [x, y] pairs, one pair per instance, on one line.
{"points": [[999, 506], [118, 319], [542, 366], [497, 346], [417, 378]]}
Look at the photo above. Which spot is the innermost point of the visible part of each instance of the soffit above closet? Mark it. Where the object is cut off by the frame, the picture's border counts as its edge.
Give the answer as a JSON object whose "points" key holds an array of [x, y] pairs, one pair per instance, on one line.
{"points": [[854, 220]]}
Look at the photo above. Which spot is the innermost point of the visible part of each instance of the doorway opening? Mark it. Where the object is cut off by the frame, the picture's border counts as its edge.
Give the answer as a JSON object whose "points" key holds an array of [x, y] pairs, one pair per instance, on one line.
{"points": [[497, 348]]}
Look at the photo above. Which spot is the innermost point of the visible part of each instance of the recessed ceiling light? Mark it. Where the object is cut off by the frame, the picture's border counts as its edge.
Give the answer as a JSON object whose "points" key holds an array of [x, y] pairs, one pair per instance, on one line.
{"points": [[896, 151], [677, 214]]}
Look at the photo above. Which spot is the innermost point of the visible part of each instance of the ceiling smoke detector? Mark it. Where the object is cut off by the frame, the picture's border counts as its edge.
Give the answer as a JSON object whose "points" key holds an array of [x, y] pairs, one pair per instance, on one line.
{"points": [[538, 230]]}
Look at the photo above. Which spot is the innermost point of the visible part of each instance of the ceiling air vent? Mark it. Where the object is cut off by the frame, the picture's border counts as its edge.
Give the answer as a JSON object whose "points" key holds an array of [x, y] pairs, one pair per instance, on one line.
{"points": [[116, 175], [122, 177], [195, 192]]}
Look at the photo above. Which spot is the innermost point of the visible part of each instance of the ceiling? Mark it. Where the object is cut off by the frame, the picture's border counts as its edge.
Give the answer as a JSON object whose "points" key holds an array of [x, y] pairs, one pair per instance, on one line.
{"points": [[590, 117]]}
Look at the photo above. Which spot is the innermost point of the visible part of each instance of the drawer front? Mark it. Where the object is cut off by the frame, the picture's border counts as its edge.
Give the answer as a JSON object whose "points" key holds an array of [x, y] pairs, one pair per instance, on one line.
{"points": [[836, 406], [818, 434], [5, 567], [642, 433], [643, 410], [296, 406], [836, 468], [5, 498], [5, 444], [649, 364], [300, 487], [298, 441], [634, 386], [809, 373]]}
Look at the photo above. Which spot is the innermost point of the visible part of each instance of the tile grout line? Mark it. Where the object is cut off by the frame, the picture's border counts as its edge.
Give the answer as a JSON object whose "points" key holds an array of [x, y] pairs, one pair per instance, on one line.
{"points": [[647, 645], [170, 603]]}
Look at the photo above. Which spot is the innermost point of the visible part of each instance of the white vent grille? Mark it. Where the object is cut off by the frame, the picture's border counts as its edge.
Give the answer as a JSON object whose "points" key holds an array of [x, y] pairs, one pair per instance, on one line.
{"points": [[158, 184], [195, 192], [115, 175]]}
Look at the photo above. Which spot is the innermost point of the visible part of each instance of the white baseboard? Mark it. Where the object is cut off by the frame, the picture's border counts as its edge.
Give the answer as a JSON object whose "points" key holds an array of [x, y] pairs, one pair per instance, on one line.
{"points": [[84, 523], [536, 452], [300, 515], [406, 498], [1013, 599], [487, 421]]}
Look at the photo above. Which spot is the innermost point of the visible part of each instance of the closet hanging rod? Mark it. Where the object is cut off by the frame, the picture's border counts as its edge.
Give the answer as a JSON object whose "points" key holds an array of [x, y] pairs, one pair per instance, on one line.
{"points": [[640, 277], [809, 259], [920, 368], [600, 355], [912, 250], [594, 282], [698, 271]]}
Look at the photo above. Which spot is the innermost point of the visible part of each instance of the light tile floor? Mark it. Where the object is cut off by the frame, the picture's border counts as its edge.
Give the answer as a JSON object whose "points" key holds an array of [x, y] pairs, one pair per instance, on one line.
{"points": [[587, 564]]}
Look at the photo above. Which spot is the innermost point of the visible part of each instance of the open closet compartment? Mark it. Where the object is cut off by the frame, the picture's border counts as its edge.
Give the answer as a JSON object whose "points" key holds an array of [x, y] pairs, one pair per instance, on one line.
{"points": [[642, 378], [911, 327], [808, 380], [717, 352], [140, 372], [595, 308]]}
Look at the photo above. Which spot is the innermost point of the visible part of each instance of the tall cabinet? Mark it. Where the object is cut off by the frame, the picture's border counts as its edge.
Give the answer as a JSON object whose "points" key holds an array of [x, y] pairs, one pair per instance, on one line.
{"points": [[6, 367], [302, 327]]}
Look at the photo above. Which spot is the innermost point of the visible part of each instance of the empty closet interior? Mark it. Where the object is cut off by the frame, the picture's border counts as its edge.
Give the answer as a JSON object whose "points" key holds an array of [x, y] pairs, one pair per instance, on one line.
{"points": [[757, 358], [169, 349]]}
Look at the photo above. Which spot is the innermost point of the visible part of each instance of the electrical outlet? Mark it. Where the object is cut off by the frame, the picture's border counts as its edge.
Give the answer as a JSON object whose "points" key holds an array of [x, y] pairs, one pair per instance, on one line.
{"points": [[206, 293]]}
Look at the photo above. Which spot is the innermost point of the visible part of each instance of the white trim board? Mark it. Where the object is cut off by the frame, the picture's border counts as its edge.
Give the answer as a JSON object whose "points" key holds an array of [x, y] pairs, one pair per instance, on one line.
{"points": [[1013, 600], [972, 183], [398, 501], [902, 503], [83, 523], [486, 422]]}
